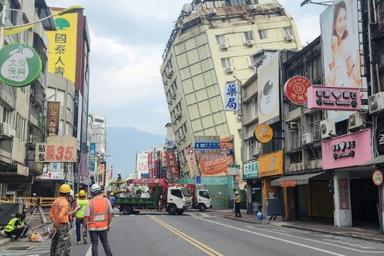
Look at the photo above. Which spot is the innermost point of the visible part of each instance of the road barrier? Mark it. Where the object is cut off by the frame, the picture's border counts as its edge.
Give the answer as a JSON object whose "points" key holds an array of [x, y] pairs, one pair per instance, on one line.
{"points": [[29, 202]]}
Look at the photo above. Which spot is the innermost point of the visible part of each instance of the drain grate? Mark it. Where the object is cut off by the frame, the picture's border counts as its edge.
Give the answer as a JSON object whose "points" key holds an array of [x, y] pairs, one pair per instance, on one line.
{"points": [[18, 248]]}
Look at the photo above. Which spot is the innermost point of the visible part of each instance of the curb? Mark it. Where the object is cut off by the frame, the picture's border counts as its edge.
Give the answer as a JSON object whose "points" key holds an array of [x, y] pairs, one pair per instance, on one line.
{"points": [[309, 229], [333, 233]]}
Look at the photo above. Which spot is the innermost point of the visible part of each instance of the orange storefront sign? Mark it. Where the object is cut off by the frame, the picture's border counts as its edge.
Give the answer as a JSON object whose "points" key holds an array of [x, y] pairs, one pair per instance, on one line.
{"points": [[214, 165], [288, 183], [271, 164]]}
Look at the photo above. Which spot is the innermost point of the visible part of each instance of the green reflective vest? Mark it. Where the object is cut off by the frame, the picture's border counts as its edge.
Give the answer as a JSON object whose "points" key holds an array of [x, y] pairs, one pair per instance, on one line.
{"points": [[11, 225], [83, 203]]}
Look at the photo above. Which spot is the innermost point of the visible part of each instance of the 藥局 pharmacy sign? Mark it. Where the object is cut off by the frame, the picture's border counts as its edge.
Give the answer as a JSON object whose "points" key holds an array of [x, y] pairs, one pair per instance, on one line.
{"points": [[20, 65]]}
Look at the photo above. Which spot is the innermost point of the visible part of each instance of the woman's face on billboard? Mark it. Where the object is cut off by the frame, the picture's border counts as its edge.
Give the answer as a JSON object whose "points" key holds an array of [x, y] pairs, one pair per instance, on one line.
{"points": [[341, 22]]}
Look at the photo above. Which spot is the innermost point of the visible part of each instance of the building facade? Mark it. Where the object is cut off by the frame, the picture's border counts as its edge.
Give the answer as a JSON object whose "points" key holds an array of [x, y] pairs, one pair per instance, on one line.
{"points": [[22, 120], [209, 47]]}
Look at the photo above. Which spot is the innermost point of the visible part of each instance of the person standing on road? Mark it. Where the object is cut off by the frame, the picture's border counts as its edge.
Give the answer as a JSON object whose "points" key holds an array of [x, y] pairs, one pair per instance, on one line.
{"points": [[237, 205], [59, 214], [82, 204], [98, 217]]}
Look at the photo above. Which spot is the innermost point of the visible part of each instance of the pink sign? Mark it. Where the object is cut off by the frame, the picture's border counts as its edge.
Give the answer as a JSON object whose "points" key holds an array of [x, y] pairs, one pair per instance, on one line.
{"points": [[334, 98], [347, 150]]}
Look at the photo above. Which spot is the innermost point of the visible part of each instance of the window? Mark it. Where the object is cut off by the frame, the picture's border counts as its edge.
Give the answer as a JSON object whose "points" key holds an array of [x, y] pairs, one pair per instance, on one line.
{"points": [[226, 63], [220, 39], [204, 194], [253, 108], [263, 34], [248, 35], [295, 157], [176, 192], [287, 34], [314, 153]]}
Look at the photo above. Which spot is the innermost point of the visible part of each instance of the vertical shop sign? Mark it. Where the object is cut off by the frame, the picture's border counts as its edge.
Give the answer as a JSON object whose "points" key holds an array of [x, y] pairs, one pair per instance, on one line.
{"points": [[53, 117], [231, 97]]}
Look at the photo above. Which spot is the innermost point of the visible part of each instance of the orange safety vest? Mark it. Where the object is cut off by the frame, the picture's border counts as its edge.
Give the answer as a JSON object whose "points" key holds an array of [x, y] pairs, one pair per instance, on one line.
{"points": [[98, 213], [60, 204]]}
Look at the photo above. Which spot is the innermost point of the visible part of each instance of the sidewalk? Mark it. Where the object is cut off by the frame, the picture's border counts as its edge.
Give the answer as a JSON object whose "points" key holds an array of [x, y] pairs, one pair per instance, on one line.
{"points": [[368, 234]]}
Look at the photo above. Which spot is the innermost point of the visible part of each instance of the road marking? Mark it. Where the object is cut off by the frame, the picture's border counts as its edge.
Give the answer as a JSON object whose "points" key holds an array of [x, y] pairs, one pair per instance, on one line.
{"points": [[321, 242], [209, 251], [89, 252], [272, 237]]}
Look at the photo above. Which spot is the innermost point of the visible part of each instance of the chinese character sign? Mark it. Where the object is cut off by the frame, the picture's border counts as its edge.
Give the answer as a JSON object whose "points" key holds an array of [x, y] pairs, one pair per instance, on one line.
{"points": [[62, 46], [53, 117], [57, 150], [231, 97], [20, 65]]}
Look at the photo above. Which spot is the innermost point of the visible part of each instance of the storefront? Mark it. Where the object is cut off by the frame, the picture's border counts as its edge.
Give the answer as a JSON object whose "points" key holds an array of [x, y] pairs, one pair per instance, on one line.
{"points": [[270, 168], [307, 196], [355, 196], [254, 195]]}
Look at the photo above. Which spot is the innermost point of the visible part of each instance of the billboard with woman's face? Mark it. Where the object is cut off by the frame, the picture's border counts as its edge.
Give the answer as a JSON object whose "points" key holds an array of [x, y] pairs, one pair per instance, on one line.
{"points": [[341, 52]]}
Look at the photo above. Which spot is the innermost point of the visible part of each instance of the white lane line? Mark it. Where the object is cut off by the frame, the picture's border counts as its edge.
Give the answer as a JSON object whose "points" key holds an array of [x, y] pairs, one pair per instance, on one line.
{"points": [[89, 252], [351, 244], [274, 238], [317, 241]]}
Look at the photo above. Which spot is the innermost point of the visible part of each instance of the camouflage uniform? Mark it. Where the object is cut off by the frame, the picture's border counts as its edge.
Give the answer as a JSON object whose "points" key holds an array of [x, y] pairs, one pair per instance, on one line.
{"points": [[61, 242]]}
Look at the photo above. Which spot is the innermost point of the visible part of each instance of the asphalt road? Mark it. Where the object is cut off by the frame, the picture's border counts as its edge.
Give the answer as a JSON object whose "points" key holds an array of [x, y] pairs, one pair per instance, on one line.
{"points": [[204, 234]]}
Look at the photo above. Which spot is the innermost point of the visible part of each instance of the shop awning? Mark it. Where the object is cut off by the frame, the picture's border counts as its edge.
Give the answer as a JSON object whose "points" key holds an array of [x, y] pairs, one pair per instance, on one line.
{"points": [[376, 160], [291, 181]]}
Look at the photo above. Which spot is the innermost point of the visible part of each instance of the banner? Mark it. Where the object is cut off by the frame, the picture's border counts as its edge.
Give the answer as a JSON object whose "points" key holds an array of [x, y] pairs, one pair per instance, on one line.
{"points": [[341, 52], [271, 164], [62, 50], [214, 165], [53, 117], [268, 89], [57, 150]]}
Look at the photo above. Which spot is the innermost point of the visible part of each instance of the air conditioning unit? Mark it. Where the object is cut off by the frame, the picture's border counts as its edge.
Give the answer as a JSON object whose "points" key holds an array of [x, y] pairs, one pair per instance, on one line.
{"points": [[293, 126], [288, 38], [249, 42], [376, 103], [355, 121], [292, 168], [229, 69], [224, 45], [300, 167], [253, 6], [327, 128], [306, 138], [6, 131]]}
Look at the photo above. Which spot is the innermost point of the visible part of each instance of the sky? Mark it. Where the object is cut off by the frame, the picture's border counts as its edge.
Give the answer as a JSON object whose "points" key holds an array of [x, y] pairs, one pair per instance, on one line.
{"points": [[127, 41]]}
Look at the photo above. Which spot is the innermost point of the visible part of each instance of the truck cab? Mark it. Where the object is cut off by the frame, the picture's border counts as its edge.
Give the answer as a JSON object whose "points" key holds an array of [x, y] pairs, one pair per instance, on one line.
{"points": [[178, 200], [203, 200]]}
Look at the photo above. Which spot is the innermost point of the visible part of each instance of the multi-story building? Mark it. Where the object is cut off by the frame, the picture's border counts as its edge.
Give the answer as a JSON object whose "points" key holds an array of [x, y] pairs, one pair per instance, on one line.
{"points": [[210, 46], [22, 122], [142, 170], [60, 90], [99, 143]]}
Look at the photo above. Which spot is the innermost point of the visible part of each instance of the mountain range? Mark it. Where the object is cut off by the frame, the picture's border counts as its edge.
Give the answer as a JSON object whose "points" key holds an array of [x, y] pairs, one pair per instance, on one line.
{"points": [[124, 142]]}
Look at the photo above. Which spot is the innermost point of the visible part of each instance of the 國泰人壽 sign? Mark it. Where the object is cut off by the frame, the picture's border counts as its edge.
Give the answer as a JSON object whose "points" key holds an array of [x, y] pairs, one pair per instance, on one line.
{"points": [[20, 65]]}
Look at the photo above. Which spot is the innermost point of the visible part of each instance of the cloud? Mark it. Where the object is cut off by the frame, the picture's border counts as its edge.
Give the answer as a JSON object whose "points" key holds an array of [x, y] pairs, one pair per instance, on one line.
{"points": [[127, 41]]}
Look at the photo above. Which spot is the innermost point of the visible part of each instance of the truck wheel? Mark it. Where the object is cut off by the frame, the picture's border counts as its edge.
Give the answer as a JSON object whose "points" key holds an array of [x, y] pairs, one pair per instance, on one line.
{"points": [[180, 212], [127, 210], [172, 210], [202, 208]]}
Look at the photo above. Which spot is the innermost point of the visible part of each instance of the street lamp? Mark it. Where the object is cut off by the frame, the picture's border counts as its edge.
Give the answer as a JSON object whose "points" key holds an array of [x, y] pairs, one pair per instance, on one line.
{"points": [[8, 31]]}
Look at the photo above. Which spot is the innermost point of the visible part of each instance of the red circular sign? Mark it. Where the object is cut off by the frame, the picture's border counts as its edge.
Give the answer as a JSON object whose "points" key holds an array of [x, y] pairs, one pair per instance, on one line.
{"points": [[296, 89]]}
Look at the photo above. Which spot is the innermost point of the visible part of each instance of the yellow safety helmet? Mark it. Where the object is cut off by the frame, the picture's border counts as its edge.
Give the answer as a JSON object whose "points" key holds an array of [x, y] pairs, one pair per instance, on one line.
{"points": [[82, 193], [65, 189]]}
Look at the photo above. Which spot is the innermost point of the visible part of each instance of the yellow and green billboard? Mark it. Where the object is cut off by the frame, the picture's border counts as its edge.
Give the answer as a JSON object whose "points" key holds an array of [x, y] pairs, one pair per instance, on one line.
{"points": [[62, 50]]}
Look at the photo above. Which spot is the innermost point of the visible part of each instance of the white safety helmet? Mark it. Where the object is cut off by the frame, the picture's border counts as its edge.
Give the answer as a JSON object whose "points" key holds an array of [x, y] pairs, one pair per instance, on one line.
{"points": [[95, 188]]}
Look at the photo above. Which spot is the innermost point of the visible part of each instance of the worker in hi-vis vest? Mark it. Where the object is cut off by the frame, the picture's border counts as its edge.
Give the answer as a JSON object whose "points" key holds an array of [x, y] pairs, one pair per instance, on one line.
{"points": [[98, 217], [82, 204]]}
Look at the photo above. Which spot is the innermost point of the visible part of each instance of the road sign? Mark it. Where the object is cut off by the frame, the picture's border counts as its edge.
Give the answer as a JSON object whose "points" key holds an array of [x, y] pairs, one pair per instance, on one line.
{"points": [[377, 178], [198, 179]]}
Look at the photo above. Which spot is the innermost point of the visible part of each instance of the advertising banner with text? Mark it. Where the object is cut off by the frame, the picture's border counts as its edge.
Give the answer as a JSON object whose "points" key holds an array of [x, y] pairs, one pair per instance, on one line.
{"points": [[57, 150]]}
